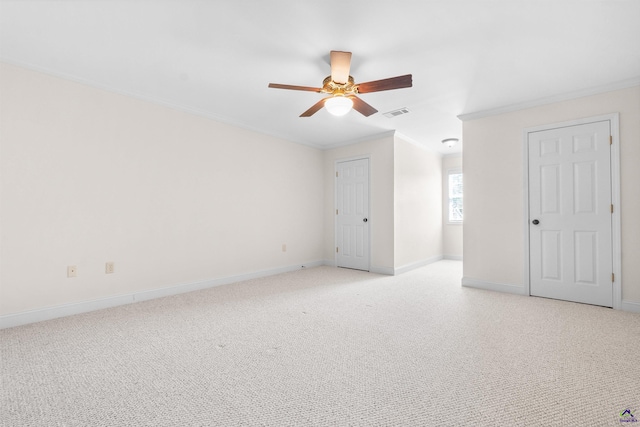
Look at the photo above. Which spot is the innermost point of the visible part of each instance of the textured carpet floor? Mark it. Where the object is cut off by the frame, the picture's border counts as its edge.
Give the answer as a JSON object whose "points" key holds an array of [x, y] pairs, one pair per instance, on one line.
{"points": [[327, 347]]}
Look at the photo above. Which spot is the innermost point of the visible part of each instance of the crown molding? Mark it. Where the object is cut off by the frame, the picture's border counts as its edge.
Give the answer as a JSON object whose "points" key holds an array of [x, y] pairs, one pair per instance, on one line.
{"points": [[153, 100], [635, 81], [372, 137]]}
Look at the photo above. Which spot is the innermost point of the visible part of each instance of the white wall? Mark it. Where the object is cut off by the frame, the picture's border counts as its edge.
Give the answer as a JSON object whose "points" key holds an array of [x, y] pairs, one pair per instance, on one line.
{"points": [[89, 176], [381, 220], [417, 205], [451, 233], [493, 168], [405, 198]]}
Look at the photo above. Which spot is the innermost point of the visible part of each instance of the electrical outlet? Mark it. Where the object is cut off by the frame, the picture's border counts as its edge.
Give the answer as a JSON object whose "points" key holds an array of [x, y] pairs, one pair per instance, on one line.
{"points": [[284, 247], [109, 267], [72, 271]]}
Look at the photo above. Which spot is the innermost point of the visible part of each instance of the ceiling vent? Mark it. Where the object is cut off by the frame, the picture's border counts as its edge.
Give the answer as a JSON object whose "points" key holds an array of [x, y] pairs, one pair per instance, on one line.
{"points": [[395, 113]]}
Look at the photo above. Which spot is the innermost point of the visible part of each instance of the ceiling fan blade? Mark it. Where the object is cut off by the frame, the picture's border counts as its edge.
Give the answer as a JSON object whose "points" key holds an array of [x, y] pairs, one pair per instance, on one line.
{"points": [[362, 107], [340, 65], [315, 108], [291, 87], [386, 84]]}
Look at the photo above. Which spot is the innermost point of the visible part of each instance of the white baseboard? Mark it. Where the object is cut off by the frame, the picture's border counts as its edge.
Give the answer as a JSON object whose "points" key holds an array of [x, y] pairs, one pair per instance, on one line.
{"points": [[33, 316], [392, 271], [413, 266], [388, 271], [499, 287], [633, 307], [453, 257]]}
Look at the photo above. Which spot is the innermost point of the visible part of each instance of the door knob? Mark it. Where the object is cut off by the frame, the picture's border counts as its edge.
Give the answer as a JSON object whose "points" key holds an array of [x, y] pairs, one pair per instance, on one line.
{"points": [[365, 220], [535, 222]]}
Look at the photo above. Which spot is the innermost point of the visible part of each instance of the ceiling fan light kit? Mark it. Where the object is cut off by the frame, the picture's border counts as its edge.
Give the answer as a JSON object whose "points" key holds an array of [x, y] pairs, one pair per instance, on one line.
{"points": [[338, 105], [343, 90]]}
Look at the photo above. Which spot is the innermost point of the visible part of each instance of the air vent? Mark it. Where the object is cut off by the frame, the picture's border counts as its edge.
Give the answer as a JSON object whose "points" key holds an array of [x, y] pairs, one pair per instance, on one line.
{"points": [[396, 113]]}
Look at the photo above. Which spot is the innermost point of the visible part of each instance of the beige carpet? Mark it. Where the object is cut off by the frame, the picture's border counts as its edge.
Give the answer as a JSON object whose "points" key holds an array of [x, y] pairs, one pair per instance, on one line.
{"points": [[327, 347]]}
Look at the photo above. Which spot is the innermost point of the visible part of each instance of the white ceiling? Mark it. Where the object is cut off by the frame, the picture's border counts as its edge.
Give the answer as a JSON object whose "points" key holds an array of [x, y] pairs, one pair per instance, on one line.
{"points": [[216, 58]]}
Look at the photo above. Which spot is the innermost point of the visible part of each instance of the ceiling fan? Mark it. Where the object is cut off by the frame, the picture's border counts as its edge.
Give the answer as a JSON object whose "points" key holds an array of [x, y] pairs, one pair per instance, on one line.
{"points": [[343, 90]]}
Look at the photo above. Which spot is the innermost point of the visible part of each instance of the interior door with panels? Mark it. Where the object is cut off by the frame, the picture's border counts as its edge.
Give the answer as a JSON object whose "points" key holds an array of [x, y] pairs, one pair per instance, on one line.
{"points": [[352, 214], [570, 232]]}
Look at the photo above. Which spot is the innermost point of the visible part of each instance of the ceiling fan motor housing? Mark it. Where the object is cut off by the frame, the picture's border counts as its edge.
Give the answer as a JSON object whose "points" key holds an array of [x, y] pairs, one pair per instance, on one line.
{"points": [[333, 88]]}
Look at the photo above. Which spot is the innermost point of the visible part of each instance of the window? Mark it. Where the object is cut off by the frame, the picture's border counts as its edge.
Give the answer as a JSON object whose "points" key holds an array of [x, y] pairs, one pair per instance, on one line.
{"points": [[455, 195]]}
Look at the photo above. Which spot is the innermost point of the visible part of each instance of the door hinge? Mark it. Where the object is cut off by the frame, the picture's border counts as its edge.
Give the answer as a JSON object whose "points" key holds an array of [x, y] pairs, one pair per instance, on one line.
{"points": [[336, 249], [336, 211], [336, 174], [611, 207], [613, 277], [610, 139]]}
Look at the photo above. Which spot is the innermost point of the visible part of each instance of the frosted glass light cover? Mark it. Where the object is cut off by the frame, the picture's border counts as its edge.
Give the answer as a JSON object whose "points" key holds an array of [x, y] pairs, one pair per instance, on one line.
{"points": [[338, 105]]}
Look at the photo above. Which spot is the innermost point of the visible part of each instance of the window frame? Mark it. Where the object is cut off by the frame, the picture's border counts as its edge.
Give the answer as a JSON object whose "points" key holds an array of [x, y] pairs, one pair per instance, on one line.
{"points": [[454, 171]]}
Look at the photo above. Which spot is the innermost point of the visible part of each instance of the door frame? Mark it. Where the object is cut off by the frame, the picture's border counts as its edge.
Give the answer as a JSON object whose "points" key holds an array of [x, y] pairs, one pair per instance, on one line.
{"points": [[616, 245], [335, 205]]}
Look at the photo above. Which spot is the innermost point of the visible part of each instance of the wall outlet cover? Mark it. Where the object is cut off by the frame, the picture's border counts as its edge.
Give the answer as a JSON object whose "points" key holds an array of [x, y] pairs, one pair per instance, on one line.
{"points": [[72, 271]]}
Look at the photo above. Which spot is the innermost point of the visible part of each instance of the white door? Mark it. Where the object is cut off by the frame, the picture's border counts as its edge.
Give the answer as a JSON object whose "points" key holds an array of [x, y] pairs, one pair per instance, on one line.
{"points": [[570, 213], [352, 214]]}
